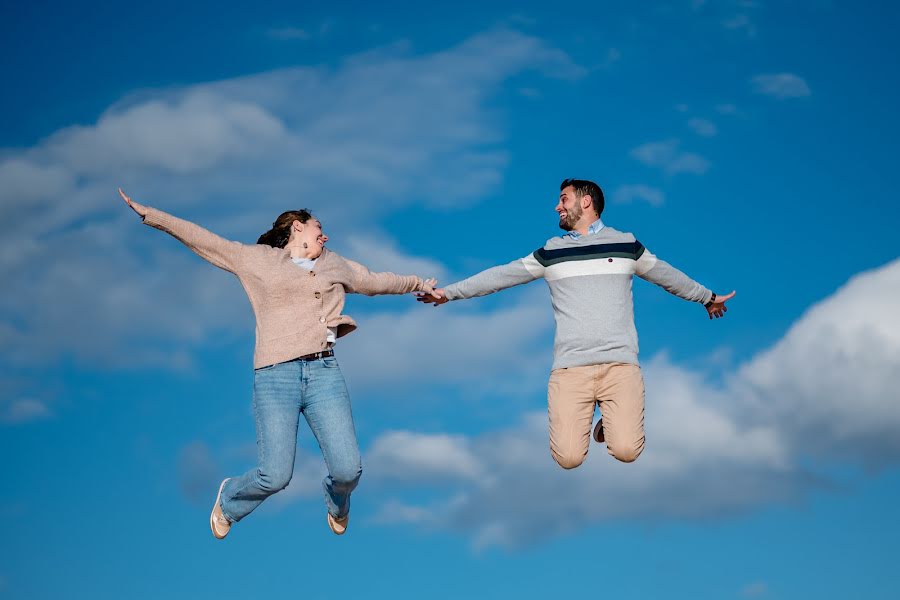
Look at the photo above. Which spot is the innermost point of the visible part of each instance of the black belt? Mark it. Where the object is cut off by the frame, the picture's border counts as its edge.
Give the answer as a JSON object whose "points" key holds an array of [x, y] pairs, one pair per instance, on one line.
{"points": [[315, 355]]}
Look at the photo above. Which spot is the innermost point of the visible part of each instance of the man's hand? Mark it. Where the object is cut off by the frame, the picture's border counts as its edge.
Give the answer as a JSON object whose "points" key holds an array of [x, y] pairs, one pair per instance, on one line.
{"points": [[717, 309], [138, 208], [436, 296]]}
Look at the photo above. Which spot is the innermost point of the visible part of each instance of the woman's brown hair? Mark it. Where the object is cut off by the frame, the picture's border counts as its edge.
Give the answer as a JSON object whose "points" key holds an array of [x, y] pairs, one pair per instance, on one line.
{"points": [[278, 236]]}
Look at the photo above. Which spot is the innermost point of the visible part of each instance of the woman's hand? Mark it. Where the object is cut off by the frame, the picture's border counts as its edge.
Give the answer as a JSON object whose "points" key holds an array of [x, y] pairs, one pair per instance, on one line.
{"points": [[430, 293], [140, 209], [428, 285]]}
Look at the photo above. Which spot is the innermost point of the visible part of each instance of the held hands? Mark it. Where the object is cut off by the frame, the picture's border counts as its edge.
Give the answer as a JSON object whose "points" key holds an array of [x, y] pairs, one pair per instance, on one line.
{"points": [[140, 209], [428, 290], [435, 295], [717, 308]]}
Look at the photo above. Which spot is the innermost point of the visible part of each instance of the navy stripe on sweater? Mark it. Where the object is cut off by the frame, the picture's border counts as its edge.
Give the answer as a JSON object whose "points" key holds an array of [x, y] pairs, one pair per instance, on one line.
{"points": [[632, 250]]}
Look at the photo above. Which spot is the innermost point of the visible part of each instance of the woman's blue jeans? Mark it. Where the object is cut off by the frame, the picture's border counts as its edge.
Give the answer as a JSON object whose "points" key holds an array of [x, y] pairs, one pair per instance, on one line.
{"points": [[281, 393]]}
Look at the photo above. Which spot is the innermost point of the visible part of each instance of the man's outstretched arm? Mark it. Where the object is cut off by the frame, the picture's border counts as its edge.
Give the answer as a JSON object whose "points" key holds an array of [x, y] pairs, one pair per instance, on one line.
{"points": [[488, 281], [654, 270]]}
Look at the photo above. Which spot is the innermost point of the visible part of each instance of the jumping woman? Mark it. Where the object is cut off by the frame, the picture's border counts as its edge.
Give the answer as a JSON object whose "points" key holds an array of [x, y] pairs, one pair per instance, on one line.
{"points": [[296, 288]]}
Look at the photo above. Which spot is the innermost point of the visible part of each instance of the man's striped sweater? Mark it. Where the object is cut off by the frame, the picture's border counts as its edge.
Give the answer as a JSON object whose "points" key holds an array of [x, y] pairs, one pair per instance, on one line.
{"points": [[590, 288]]}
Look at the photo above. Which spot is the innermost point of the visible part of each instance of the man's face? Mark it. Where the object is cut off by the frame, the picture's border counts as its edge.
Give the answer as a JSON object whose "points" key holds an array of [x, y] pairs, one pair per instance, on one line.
{"points": [[568, 208]]}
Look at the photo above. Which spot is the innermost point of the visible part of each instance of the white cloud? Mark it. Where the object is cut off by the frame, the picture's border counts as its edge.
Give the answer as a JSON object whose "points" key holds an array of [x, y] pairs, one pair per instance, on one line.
{"points": [[411, 456], [25, 183], [192, 132], [703, 127], [393, 512], [626, 194], [668, 156], [780, 85], [839, 369], [380, 253], [111, 316]]}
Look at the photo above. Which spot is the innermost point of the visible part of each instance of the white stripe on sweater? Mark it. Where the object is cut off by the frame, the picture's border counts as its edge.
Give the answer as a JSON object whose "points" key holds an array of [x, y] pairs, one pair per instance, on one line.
{"points": [[533, 266], [596, 266], [646, 262]]}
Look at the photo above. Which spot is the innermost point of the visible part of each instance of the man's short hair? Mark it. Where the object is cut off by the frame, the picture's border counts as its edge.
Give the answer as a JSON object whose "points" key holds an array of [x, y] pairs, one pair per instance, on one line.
{"points": [[582, 187]]}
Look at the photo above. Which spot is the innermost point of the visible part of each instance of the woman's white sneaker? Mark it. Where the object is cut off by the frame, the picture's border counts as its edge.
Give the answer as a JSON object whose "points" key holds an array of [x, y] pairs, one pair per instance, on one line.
{"points": [[218, 522], [338, 526]]}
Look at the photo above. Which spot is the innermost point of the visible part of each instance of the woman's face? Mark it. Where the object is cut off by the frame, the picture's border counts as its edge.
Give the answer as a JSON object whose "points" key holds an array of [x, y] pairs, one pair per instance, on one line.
{"points": [[312, 236]]}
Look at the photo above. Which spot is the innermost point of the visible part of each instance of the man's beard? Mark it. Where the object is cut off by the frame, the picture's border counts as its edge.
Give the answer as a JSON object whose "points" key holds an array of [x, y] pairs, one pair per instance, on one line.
{"points": [[567, 223]]}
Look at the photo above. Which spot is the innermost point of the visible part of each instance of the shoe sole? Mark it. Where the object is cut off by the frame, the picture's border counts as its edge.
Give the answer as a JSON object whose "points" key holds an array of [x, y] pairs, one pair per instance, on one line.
{"points": [[212, 524], [333, 524], [598, 432]]}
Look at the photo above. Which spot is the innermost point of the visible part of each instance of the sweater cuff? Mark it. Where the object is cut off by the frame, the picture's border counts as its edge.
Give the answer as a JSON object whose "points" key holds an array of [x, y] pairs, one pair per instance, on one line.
{"points": [[450, 292], [155, 218]]}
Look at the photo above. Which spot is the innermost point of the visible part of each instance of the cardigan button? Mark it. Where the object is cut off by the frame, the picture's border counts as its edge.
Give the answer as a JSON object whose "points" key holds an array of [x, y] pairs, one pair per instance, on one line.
{"points": [[318, 294], [321, 319]]}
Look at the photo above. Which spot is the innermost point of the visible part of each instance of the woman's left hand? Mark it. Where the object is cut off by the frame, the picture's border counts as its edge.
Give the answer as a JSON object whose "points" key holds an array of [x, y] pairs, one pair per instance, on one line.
{"points": [[428, 286], [138, 208]]}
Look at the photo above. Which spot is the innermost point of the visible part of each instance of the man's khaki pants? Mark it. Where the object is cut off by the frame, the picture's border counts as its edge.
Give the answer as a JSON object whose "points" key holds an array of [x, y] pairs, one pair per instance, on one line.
{"points": [[618, 389]]}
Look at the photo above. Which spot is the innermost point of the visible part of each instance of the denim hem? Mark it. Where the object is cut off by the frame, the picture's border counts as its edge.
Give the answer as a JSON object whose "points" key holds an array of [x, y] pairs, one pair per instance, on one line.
{"points": [[227, 516], [222, 501]]}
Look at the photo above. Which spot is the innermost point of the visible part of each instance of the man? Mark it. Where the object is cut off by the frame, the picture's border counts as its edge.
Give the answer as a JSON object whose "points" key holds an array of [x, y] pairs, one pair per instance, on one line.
{"points": [[589, 271]]}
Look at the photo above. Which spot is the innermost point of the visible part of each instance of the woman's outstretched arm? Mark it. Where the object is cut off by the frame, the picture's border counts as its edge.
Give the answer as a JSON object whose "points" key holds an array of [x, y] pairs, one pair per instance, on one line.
{"points": [[222, 253], [363, 281]]}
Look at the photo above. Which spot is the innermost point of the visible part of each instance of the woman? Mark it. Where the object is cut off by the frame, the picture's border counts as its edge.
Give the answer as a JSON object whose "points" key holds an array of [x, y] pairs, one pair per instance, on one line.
{"points": [[296, 288]]}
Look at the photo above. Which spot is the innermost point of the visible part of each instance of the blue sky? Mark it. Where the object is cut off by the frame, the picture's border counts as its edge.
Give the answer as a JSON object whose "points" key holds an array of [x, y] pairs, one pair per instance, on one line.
{"points": [[750, 144]]}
